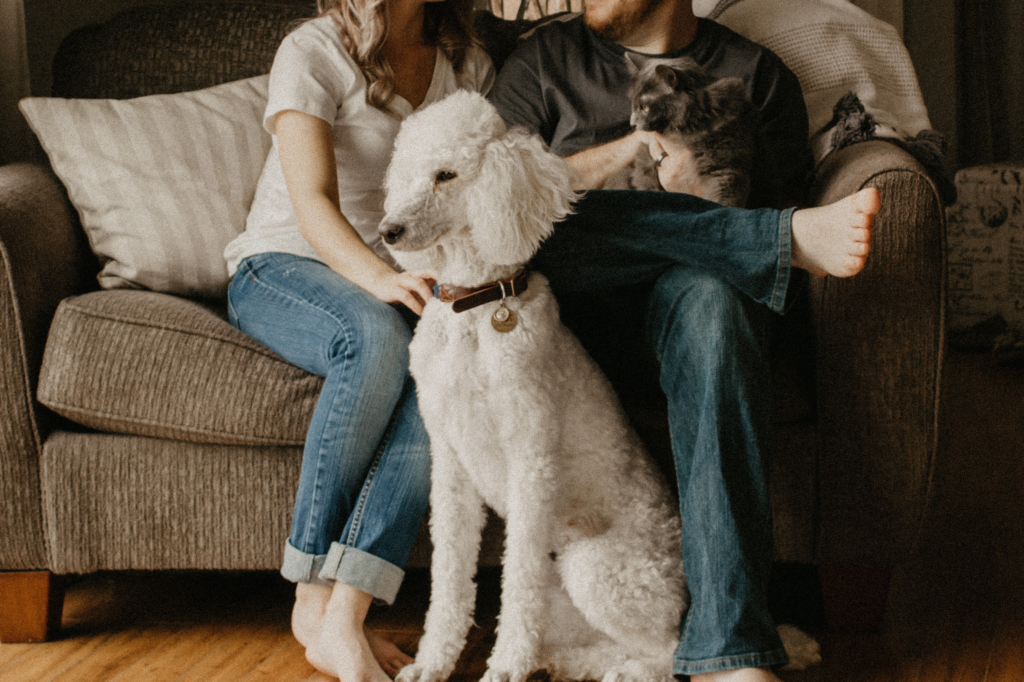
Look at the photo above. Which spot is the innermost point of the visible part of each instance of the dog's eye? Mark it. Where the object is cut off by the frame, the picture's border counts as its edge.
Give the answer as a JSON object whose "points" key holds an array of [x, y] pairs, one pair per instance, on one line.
{"points": [[445, 176]]}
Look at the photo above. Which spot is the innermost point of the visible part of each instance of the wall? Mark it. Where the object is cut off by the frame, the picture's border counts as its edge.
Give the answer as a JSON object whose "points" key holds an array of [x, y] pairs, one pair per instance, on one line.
{"points": [[929, 31]]}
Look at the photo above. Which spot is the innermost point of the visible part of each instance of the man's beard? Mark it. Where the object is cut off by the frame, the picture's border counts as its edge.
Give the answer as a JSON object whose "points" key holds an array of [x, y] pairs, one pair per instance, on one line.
{"points": [[622, 21]]}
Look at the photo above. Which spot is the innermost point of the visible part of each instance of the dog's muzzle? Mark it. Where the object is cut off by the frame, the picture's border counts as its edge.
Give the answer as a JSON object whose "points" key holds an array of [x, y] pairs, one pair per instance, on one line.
{"points": [[390, 232]]}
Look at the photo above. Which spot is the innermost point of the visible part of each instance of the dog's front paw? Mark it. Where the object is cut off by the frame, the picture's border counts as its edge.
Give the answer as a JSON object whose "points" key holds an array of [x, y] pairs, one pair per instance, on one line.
{"points": [[418, 672], [514, 674]]}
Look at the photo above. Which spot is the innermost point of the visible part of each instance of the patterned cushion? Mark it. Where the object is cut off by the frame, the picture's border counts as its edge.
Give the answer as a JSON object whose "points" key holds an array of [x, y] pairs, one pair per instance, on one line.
{"points": [[162, 183], [149, 364]]}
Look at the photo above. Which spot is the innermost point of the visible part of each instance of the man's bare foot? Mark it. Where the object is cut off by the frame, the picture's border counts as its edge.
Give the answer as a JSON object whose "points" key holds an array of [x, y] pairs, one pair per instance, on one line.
{"points": [[308, 612], [390, 657], [340, 647], [738, 675], [835, 239]]}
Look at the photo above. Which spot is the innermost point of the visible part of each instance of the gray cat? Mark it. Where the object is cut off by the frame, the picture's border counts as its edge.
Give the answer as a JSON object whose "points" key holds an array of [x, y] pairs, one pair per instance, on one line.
{"points": [[711, 117]]}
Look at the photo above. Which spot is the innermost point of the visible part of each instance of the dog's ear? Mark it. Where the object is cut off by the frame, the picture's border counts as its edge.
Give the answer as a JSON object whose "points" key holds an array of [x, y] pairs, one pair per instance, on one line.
{"points": [[523, 189]]}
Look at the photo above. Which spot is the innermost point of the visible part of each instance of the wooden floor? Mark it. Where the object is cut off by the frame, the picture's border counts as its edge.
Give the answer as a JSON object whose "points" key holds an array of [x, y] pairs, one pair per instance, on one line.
{"points": [[956, 612]]}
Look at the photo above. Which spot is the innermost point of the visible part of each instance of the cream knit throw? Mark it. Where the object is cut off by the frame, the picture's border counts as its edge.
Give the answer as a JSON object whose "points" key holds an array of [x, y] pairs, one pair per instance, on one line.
{"points": [[833, 47]]}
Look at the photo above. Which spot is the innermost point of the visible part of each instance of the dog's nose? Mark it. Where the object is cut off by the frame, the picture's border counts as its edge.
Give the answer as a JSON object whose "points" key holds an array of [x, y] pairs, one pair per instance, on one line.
{"points": [[391, 232]]}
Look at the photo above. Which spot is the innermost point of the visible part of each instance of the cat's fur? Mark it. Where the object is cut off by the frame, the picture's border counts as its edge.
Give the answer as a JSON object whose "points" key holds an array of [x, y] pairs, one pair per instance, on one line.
{"points": [[711, 117]]}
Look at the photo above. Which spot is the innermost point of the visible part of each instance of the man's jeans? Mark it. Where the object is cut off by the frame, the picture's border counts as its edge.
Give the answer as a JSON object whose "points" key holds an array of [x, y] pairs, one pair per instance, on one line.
{"points": [[365, 476], [701, 281]]}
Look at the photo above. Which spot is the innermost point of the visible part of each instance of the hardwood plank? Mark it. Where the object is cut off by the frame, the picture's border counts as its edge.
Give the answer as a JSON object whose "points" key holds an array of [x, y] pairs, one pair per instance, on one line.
{"points": [[46, 661], [118, 652], [9, 653], [244, 649], [177, 655], [287, 664]]}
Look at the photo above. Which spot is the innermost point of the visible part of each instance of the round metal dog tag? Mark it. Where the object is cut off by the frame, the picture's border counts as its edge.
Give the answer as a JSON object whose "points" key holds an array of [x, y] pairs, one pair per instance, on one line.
{"points": [[504, 320]]}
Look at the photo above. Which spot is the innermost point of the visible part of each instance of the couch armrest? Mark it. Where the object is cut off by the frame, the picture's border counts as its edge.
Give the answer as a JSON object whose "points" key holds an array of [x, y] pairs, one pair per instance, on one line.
{"points": [[41, 262], [880, 341]]}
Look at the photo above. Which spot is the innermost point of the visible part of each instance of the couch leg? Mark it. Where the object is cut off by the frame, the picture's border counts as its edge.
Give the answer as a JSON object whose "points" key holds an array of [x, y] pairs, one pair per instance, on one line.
{"points": [[854, 596], [31, 604]]}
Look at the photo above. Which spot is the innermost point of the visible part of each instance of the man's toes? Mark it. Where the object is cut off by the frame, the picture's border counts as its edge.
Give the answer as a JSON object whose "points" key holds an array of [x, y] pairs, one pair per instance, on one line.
{"points": [[860, 249], [854, 265]]}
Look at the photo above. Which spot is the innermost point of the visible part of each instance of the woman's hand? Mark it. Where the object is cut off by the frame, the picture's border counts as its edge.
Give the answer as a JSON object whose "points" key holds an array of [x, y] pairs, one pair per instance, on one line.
{"points": [[412, 289]]}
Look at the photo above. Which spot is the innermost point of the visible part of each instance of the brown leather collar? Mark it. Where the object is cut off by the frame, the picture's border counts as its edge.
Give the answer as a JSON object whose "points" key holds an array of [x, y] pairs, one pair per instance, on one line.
{"points": [[464, 298]]}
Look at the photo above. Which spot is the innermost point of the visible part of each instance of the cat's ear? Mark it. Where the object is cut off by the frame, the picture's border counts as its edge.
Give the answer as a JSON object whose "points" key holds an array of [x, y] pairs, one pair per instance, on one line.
{"points": [[667, 75]]}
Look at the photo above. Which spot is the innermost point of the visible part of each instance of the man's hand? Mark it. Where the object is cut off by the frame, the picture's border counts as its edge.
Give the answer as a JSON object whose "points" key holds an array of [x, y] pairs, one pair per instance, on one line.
{"points": [[677, 169]]}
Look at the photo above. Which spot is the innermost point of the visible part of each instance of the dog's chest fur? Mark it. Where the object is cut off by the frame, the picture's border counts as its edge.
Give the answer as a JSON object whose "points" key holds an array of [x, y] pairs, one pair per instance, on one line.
{"points": [[471, 381]]}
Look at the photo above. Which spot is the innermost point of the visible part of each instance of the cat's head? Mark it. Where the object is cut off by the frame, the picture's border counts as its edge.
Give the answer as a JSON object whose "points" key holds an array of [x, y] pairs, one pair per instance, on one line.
{"points": [[665, 90]]}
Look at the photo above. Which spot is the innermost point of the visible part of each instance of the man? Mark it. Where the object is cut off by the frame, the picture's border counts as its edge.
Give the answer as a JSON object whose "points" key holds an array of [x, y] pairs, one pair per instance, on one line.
{"points": [[695, 283]]}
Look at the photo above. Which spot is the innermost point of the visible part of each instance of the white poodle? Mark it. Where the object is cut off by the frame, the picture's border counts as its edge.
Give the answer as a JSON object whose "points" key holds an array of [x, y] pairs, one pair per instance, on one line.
{"points": [[522, 420]]}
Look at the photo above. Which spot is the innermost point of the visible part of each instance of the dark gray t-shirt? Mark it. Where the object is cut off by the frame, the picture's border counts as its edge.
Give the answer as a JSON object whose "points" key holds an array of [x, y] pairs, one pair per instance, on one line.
{"points": [[570, 86]]}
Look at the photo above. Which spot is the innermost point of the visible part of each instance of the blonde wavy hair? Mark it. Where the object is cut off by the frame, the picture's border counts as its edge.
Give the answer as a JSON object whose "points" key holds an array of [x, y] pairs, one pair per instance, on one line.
{"points": [[363, 25]]}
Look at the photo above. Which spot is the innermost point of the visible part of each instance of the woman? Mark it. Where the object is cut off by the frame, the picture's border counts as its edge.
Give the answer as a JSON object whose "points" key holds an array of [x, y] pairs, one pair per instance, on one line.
{"points": [[312, 281]]}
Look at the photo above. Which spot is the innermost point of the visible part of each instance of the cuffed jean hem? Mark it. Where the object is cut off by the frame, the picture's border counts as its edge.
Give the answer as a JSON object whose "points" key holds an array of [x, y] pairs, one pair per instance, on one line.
{"points": [[771, 659], [354, 567], [777, 302]]}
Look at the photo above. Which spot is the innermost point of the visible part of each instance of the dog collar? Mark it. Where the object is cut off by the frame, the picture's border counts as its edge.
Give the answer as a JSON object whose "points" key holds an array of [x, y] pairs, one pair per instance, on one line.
{"points": [[464, 298]]}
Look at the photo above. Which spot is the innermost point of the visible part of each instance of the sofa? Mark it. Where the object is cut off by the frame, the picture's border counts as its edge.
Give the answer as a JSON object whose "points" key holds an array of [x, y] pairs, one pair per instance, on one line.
{"points": [[140, 431]]}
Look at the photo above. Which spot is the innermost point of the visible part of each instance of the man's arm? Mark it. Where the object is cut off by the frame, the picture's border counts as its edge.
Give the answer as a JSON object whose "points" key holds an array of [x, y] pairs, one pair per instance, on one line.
{"points": [[519, 95], [594, 166]]}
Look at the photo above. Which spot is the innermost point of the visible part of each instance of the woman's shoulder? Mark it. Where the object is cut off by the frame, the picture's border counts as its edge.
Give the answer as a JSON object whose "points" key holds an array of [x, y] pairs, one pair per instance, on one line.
{"points": [[316, 38]]}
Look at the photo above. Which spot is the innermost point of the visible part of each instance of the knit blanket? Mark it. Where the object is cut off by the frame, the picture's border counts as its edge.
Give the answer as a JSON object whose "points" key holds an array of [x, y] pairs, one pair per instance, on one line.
{"points": [[834, 48]]}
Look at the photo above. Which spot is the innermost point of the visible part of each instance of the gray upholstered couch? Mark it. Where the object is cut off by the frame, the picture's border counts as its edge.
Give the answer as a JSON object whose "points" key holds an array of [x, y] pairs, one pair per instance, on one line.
{"points": [[141, 431]]}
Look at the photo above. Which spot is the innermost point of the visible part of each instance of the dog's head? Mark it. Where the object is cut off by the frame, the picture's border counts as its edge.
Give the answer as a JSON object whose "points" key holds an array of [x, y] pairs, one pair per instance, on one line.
{"points": [[459, 179]]}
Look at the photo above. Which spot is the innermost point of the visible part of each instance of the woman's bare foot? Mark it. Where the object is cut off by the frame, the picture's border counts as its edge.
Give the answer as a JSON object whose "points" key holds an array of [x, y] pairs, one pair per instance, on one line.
{"points": [[835, 239], [340, 648], [390, 657], [310, 602], [739, 675]]}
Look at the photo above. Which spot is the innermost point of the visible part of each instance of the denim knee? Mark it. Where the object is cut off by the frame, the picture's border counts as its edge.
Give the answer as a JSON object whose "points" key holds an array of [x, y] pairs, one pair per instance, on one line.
{"points": [[376, 337], [696, 309]]}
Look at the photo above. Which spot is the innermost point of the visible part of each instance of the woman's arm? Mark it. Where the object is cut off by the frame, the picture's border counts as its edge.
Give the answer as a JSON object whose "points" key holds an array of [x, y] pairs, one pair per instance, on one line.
{"points": [[306, 145]]}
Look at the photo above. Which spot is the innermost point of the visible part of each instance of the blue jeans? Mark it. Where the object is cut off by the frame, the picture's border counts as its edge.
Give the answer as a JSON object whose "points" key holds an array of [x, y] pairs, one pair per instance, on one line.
{"points": [[365, 476], [697, 283]]}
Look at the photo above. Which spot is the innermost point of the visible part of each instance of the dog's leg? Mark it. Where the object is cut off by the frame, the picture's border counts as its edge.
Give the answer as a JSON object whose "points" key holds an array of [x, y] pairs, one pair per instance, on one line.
{"points": [[608, 661], [457, 516], [528, 569]]}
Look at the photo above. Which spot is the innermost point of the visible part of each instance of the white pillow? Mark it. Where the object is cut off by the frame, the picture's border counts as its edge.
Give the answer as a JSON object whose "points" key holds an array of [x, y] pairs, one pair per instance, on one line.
{"points": [[162, 183]]}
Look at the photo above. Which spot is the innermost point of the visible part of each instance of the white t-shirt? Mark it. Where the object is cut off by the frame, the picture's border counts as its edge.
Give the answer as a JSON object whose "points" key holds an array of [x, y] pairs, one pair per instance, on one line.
{"points": [[313, 73]]}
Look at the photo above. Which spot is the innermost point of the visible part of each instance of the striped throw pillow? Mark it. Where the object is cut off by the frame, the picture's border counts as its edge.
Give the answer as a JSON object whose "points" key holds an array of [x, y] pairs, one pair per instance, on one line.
{"points": [[161, 183]]}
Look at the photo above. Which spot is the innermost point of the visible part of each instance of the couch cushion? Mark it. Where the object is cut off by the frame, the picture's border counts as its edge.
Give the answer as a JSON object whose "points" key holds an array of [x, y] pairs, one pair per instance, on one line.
{"points": [[149, 364]]}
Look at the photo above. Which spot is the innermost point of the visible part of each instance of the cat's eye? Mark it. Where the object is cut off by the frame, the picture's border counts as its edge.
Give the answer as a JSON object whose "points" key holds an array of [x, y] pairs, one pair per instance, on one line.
{"points": [[445, 176], [644, 108]]}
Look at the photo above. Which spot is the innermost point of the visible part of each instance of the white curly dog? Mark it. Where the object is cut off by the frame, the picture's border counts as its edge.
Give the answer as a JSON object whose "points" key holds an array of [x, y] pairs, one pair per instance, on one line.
{"points": [[522, 420]]}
